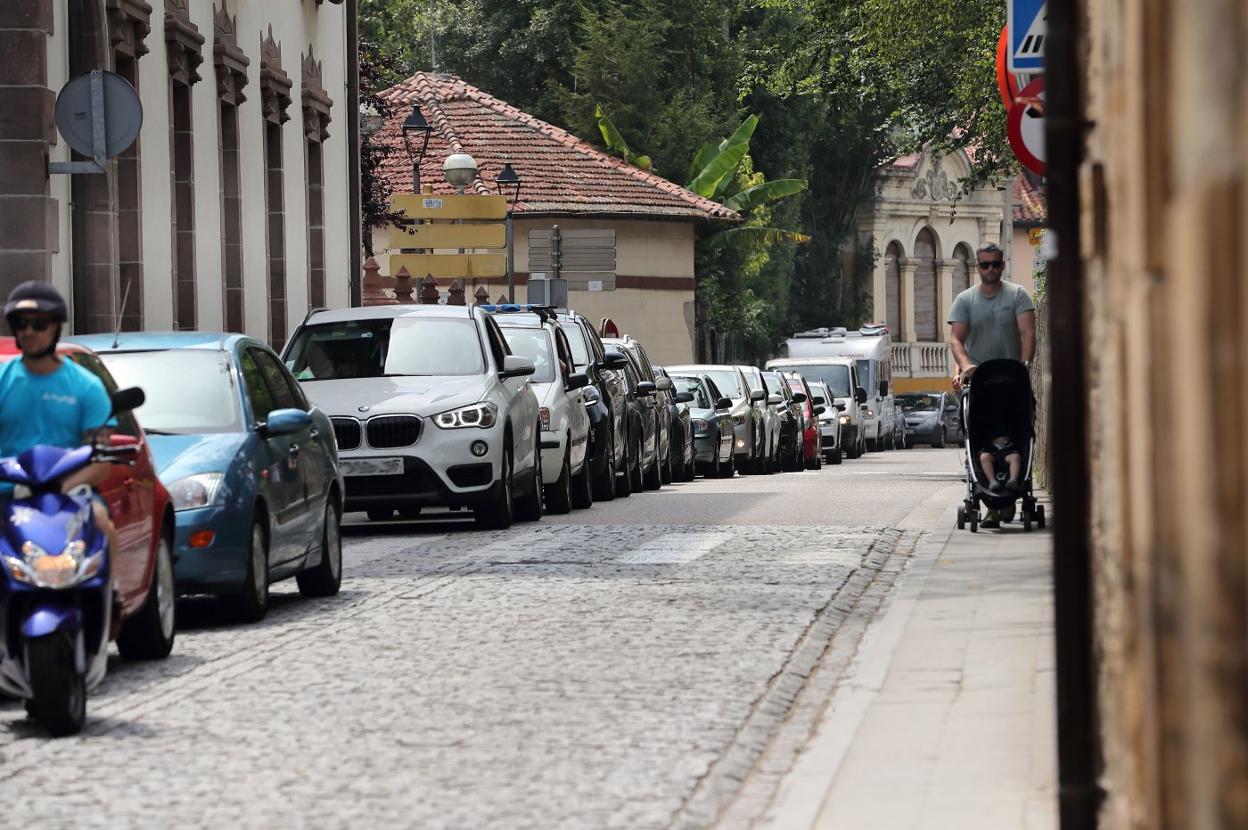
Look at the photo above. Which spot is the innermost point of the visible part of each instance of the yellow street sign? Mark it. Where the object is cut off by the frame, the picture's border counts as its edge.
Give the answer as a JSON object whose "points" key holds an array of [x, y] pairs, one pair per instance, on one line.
{"points": [[465, 206], [448, 236], [450, 265]]}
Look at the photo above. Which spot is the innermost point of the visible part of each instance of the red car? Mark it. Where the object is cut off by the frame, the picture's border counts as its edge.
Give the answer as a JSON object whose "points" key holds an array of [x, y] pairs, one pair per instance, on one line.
{"points": [[810, 422], [144, 626]]}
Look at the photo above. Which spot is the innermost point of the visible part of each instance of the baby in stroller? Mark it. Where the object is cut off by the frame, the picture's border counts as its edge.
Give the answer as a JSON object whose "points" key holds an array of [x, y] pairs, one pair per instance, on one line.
{"points": [[1001, 454]]}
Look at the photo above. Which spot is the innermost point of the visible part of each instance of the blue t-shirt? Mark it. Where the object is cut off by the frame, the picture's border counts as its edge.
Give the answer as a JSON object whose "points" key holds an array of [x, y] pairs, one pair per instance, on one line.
{"points": [[55, 409]]}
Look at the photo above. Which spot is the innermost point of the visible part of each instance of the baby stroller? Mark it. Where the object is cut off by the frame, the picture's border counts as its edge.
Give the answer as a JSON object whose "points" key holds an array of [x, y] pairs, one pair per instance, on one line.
{"points": [[998, 402]]}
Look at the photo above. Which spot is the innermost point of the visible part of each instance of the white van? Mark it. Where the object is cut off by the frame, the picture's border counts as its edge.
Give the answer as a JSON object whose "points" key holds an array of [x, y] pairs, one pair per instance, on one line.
{"points": [[840, 375], [871, 348]]}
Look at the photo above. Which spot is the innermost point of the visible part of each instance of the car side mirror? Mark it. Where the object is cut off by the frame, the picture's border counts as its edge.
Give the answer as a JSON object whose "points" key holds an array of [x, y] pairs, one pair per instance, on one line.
{"points": [[799, 397], [819, 410], [860, 395], [126, 400], [840, 407], [758, 395], [774, 400], [883, 389], [515, 366], [663, 384], [612, 359], [287, 421], [818, 399], [684, 397], [576, 380], [645, 388], [723, 404]]}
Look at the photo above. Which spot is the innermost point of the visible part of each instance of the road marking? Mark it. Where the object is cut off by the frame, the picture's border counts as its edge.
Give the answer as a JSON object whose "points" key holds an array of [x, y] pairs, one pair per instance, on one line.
{"points": [[674, 548]]}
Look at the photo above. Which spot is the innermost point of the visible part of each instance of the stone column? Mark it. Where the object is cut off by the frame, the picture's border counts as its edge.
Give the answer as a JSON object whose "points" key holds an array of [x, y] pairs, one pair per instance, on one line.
{"points": [[944, 296], [908, 268], [28, 214], [879, 281]]}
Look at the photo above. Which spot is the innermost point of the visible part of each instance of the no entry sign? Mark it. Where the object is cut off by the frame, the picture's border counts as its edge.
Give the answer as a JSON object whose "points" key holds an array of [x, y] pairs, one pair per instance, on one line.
{"points": [[1026, 126]]}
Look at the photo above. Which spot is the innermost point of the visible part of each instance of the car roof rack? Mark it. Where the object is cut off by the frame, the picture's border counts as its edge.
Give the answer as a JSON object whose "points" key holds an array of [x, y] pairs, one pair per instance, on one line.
{"points": [[545, 312]]}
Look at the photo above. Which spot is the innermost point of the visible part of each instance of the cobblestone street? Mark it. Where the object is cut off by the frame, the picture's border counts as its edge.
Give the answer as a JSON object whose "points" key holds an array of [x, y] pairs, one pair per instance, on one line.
{"points": [[622, 667]]}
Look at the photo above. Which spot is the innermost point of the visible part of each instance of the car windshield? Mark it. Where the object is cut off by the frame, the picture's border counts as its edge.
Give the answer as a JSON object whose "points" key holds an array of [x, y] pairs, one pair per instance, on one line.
{"points": [[533, 343], [576, 338], [387, 348], [865, 374], [701, 397], [835, 376], [188, 390], [918, 403], [727, 381]]}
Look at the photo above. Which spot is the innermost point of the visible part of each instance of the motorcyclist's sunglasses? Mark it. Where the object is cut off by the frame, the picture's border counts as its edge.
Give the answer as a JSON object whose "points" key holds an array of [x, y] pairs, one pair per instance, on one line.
{"points": [[36, 323], [991, 263]]}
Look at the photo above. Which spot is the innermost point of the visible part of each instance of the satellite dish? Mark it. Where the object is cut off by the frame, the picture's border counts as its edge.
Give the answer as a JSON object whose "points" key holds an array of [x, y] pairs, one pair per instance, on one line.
{"points": [[122, 117]]}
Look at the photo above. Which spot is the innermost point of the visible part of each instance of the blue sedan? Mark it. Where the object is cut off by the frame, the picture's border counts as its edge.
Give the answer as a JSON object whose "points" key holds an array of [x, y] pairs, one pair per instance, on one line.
{"points": [[250, 464]]}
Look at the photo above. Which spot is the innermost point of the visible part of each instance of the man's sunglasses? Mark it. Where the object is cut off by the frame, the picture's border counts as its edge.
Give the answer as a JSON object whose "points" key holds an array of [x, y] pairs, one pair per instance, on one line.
{"points": [[991, 263], [27, 323]]}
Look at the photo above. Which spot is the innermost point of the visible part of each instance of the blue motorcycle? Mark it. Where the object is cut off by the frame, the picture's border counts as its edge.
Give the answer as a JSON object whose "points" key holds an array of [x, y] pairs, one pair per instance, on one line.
{"points": [[56, 595]]}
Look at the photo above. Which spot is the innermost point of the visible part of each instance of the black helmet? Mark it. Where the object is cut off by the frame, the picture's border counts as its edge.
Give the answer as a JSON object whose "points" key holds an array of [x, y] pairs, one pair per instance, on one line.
{"points": [[36, 296]]}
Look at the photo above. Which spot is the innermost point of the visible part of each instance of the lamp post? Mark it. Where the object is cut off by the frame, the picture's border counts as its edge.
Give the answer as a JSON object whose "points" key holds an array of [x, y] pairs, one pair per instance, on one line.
{"points": [[416, 132], [508, 184]]}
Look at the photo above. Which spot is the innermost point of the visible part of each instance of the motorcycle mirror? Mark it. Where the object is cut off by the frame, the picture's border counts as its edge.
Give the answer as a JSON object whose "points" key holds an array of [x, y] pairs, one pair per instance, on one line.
{"points": [[126, 400]]}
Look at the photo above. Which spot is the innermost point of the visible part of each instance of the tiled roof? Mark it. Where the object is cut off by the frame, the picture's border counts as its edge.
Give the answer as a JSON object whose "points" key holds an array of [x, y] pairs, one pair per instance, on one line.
{"points": [[1029, 203], [561, 174]]}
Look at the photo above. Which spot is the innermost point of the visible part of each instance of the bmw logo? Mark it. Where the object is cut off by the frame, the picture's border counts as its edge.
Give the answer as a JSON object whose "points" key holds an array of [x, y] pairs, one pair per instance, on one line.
{"points": [[363, 409]]}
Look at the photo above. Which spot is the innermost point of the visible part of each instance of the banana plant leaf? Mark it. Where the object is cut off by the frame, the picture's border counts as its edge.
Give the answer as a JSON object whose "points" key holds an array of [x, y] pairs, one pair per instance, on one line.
{"points": [[614, 140], [765, 193], [724, 164], [771, 236]]}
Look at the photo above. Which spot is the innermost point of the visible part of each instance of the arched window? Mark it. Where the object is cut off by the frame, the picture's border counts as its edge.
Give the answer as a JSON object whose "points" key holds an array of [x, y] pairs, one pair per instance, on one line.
{"points": [[961, 269], [892, 288], [926, 298]]}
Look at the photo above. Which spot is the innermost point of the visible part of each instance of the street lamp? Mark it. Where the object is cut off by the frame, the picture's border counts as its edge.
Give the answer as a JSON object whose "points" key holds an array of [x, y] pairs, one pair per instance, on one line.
{"points": [[416, 132], [508, 184], [459, 169]]}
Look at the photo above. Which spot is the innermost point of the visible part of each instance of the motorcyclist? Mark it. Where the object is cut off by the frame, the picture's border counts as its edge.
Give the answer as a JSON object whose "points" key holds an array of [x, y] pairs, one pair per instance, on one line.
{"points": [[45, 399]]}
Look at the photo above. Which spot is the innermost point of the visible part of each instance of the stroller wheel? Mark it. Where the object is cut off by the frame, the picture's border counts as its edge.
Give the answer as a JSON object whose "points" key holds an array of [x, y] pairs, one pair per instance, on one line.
{"points": [[961, 518], [1040, 517], [974, 520]]}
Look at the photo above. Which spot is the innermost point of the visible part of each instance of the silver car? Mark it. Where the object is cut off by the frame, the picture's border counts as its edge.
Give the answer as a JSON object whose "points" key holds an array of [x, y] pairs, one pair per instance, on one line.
{"points": [[429, 407], [747, 418], [829, 423]]}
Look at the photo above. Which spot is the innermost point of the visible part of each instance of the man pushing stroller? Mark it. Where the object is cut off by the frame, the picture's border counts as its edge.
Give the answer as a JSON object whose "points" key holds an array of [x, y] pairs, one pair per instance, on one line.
{"points": [[993, 320]]}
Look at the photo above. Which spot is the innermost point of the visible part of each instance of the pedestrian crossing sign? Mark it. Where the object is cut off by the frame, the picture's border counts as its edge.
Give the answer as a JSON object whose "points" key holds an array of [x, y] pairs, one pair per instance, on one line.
{"points": [[1027, 24]]}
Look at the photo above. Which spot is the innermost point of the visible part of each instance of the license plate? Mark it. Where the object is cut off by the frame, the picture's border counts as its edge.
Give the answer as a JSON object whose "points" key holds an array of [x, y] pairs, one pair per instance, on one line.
{"points": [[372, 466]]}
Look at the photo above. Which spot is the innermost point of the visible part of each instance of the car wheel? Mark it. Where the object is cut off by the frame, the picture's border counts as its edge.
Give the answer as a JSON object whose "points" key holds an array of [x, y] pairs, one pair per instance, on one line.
{"points": [[583, 488], [604, 482], [325, 578], [497, 514], [149, 634], [559, 494], [251, 602], [653, 478], [835, 456], [531, 507], [380, 514]]}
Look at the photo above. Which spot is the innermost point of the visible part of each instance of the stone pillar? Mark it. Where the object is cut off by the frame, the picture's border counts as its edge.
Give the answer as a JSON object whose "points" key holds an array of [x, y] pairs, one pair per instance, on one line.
{"points": [[455, 294], [403, 287], [879, 282], [429, 294], [908, 267], [944, 296], [481, 295], [28, 214]]}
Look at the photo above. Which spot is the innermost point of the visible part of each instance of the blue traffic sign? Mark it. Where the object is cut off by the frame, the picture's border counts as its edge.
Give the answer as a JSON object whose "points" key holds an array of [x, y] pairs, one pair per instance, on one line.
{"points": [[1027, 23]]}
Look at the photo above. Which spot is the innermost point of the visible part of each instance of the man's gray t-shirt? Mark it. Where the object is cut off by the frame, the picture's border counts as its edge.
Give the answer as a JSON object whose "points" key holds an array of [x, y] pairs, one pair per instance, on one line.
{"points": [[993, 321]]}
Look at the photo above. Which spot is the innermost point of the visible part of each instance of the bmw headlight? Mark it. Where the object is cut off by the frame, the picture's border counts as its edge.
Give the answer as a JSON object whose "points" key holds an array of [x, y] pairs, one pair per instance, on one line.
{"points": [[481, 415], [45, 570], [199, 490]]}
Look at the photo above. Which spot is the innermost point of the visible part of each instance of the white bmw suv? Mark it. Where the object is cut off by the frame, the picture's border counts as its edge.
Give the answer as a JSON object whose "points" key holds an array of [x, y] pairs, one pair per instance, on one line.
{"points": [[429, 407]]}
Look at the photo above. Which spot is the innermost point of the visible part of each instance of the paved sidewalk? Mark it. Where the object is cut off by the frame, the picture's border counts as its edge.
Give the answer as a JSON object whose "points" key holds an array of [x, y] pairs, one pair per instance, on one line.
{"points": [[946, 719]]}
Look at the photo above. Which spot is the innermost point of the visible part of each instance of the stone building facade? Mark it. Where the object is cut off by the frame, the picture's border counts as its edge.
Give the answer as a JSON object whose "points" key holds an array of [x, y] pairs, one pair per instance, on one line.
{"points": [[235, 208]]}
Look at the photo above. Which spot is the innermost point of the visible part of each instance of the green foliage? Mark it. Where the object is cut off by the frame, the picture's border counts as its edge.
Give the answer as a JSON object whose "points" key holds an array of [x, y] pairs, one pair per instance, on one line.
{"points": [[840, 87]]}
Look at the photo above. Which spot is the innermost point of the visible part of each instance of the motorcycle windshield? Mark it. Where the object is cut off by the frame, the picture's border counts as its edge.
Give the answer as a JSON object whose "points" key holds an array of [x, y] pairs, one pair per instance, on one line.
{"points": [[41, 465]]}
